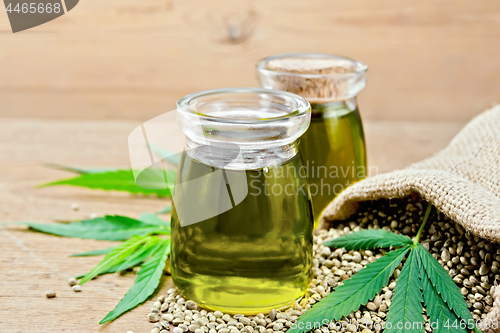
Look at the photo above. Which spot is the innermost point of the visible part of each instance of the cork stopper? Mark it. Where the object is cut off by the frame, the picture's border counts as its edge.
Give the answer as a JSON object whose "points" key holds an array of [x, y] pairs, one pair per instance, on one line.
{"points": [[316, 77], [310, 66]]}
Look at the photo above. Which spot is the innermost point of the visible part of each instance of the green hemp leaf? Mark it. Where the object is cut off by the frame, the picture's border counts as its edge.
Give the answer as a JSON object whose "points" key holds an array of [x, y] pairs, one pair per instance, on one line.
{"points": [[369, 239], [120, 180], [406, 307], [423, 281], [145, 284], [355, 291], [112, 228], [140, 247]]}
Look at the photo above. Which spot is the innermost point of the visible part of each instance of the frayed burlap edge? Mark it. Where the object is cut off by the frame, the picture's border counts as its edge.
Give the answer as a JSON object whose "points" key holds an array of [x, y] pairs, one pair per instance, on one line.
{"points": [[458, 198], [462, 181]]}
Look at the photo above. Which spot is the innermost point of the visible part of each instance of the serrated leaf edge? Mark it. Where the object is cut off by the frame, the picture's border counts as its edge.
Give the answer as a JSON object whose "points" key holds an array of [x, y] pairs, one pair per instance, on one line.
{"points": [[379, 238], [458, 306], [413, 265], [157, 271], [324, 304], [110, 260]]}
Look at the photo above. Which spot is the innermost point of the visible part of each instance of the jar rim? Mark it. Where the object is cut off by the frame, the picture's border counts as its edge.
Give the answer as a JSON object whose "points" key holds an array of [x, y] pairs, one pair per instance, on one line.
{"points": [[360, 67], [300, 106]]}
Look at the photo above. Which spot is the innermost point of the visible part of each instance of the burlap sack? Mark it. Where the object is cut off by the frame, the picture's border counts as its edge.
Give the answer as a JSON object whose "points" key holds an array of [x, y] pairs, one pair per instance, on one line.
{"points": [[494, 314], [462, 181]]}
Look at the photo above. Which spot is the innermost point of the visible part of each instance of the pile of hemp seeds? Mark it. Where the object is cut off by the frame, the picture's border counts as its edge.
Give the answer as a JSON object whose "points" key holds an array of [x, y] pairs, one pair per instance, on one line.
{"points": [[474, 265]]}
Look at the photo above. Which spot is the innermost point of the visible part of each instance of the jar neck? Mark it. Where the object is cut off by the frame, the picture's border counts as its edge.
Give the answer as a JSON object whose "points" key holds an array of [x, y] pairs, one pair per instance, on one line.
{"points": [[234, 157], [333, 109]]}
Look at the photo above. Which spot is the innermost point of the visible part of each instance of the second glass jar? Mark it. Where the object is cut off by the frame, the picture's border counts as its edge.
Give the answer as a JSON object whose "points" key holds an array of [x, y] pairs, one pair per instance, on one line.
{"points": [[334, 146]]}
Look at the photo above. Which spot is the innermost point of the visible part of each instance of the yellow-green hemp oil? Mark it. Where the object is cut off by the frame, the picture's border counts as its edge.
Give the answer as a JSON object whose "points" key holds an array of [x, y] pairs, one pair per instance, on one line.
{"points": [[333, 149], [254, 257]]}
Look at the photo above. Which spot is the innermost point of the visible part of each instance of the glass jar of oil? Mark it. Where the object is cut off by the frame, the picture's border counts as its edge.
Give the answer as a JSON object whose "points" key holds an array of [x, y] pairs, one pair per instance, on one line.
{"points": [[241, 238], [333, 147]]}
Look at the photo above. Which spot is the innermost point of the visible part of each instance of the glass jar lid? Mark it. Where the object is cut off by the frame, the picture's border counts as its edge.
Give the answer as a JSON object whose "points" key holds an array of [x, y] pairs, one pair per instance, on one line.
{"points": [[247, 117]]}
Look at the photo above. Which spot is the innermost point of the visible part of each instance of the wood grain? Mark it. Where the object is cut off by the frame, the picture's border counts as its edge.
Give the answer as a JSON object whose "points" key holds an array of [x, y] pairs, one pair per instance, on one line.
{"points": [[32, 263], [132, 59]]}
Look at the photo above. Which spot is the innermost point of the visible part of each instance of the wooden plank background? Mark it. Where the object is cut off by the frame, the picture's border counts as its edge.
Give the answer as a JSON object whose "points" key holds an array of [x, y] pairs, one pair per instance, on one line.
{"points": [[132, 59]]}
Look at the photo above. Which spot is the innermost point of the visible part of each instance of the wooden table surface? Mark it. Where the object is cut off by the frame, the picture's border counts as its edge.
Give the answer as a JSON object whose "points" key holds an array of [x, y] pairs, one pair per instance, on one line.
{"points": [[32, 263]]}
